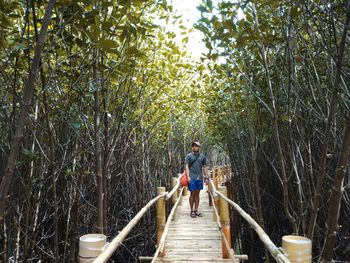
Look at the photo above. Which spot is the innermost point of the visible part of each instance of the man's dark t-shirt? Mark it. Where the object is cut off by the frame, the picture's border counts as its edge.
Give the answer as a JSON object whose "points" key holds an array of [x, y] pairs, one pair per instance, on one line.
{"points": [[196, 168]]}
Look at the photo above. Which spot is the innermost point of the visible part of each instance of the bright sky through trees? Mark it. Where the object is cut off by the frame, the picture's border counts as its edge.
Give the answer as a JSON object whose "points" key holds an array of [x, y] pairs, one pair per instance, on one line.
{"points": [[188, 10]]}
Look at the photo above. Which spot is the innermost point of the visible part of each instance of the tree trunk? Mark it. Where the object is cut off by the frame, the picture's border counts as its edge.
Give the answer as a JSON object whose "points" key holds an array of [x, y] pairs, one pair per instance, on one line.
{"points": [[98, 165], [276, 133], [330, 117], [51, 155], [106, 148], [26, 102], [337, 190]]}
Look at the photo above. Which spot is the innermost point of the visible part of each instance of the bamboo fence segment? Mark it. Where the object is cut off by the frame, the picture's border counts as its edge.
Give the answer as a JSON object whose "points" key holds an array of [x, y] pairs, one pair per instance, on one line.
{"points": [[225, 242], [161, 214], [225, 223], [174, 189], [160, 249], [271, 247], [174, 185], [179, 189], [117, 241]]}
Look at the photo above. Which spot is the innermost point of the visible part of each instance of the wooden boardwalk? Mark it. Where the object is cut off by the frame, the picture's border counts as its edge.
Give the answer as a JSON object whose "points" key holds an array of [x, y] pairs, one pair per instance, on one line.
{"points": [[193, 239]]}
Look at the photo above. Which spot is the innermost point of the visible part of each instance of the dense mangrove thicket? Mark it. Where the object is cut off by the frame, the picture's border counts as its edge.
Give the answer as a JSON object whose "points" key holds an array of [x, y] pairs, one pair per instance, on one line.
{"points": [[279, 100], [110, 99], [99, 105]]}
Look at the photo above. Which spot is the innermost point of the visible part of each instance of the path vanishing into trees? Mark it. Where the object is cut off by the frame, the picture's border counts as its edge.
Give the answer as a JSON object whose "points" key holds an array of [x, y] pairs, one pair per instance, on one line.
{"points": [[206, 238], [100, 100]]}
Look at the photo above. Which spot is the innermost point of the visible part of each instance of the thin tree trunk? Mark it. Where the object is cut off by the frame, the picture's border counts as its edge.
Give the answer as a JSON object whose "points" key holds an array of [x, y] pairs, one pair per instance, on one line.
{"points": [[52, 165], [330, 117], [26, 102], [52, 174], [30, 187], [257, 195], [105, 170], [292, 84], [277, 133], [337, 191], [98, 165]]}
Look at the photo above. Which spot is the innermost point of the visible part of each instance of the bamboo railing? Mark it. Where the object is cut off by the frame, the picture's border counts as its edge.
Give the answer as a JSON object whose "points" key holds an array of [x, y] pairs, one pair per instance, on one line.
{"points": [[226, 243], [270, 246], [117, 241], [160, 249], [219, 174]]}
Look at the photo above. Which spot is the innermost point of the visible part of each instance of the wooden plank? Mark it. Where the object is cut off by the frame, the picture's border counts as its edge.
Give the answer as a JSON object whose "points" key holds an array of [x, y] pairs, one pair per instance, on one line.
{"points": [[193, 239], [201, 260]]}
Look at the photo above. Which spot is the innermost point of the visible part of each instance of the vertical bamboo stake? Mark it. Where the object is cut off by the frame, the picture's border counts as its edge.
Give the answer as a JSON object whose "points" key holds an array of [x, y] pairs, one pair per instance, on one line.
{"points": [[186, 192], [161, 214], [216, 203], [225, 221], [210, 190], [179, 190], [297, 248], [174, 197], [216, 182]]}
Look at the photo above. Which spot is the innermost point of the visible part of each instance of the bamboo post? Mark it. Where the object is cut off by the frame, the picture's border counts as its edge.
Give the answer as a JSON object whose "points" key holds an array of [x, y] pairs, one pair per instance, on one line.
{"points": [[174, 197], [210, 190], [118, 240], [225, 221], [161, 214], [91, 246], [179, 191], [297, 248], [216, 182], [186, 192], [216, 203]]}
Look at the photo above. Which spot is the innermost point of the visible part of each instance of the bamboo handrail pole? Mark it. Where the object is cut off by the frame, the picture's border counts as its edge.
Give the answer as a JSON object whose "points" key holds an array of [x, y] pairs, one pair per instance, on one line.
{"points": [[216, 212], [166, 228], [116, 242], [174, 181], [174, 189], [225, 221], [271, 247], [228, 247], [232, 256], [161, 214], [172, 212]]}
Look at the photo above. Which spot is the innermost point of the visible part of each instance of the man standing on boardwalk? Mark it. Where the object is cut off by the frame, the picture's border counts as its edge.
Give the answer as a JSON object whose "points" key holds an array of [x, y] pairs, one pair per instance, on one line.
{"points": [[195, 161]]}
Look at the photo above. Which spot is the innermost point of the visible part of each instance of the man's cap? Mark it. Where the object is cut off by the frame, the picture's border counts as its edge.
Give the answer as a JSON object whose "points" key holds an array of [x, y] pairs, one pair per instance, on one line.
{"points": [[196, 143]]}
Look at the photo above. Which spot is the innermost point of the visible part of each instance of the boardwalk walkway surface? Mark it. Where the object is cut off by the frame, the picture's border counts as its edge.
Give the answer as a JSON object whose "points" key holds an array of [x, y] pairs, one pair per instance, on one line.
{"points": [[193, 239]]}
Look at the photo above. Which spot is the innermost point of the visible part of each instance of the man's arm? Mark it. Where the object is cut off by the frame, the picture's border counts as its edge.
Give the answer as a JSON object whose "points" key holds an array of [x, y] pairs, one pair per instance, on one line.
{"points": [[206, 178], [187, 171], [206, 171]]}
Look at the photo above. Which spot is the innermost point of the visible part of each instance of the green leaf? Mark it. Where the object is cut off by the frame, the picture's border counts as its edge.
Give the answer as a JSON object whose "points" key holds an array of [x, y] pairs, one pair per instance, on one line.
{"points": [[202, 9], [95, 32], [132, 51], [75, 124], [209, 4], [92, 86], [107, 44]]}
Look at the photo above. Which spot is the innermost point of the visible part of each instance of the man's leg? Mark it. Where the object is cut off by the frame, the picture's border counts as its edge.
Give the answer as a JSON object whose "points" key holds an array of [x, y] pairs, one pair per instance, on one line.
{"points": [[199, 186], [196, 199], [192, 203], [192, 199]]}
